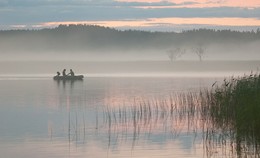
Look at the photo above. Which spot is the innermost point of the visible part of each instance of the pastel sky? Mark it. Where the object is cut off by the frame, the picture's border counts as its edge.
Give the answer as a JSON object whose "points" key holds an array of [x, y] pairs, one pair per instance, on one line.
{"points": [[153, 15]]}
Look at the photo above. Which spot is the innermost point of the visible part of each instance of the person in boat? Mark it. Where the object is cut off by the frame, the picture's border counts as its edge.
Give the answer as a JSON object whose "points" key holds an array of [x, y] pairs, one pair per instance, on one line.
{"points": [[64, 72], [71, 73], [58, 73]]}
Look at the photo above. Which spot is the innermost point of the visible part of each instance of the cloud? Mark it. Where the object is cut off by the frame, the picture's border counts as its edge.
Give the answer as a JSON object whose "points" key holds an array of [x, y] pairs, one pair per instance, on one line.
{"points": [[162, 24], [36, 12], [206, 3], [30, 3], [167, 21], [104, 3], [38, 3], [35, 15], [131, 3]]}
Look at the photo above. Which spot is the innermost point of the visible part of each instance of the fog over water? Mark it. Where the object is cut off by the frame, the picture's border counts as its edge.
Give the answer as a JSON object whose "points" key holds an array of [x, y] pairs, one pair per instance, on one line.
{"points": [[129, 68], [96, 43], [140, 96]]}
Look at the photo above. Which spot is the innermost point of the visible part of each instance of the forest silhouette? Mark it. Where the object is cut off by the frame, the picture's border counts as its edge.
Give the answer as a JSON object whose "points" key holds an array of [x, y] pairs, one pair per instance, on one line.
{"points": [[97, 38]]}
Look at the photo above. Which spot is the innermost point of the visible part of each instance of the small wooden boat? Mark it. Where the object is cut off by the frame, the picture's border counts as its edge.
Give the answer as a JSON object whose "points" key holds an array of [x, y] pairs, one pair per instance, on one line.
{"points": [[71, 78]]}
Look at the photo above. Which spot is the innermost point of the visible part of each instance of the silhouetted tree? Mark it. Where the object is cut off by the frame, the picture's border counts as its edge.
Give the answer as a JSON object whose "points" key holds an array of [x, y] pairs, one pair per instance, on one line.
{"points": [[200, 51], [176, 53]]}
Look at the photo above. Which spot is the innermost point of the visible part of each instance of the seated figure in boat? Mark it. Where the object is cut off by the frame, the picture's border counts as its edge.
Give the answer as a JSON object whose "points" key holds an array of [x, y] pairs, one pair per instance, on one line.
{"points": [[71, 73], [58, 73], [69, 76], [64, 72]]}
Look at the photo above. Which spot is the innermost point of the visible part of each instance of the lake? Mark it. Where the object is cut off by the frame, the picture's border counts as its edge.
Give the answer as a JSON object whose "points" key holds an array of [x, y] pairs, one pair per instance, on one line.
{"points": [[112, 116]]}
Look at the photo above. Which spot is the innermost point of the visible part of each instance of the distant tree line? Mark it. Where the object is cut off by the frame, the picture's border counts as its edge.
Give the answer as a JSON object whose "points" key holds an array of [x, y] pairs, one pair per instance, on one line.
{"points": [[96, 38]]}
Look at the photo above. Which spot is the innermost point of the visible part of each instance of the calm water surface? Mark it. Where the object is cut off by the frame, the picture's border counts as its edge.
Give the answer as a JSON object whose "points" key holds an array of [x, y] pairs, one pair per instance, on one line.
{"points": [[40, 117]]}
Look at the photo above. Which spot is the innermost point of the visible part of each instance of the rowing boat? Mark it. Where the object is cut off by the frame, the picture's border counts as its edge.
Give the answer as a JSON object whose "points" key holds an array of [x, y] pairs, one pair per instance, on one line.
{"points": [[79, 77]]}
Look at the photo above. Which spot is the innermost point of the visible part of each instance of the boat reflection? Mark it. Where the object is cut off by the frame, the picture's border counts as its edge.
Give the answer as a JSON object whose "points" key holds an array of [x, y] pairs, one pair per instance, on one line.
{"points": [[68, 82]]}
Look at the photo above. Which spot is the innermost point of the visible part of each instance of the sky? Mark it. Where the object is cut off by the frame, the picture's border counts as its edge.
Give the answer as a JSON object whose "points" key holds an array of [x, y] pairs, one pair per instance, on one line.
{"points": [[151, 15]]}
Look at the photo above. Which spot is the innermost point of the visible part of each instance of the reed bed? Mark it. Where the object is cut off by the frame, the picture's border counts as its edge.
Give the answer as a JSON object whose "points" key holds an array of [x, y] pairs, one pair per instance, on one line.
{"points": [[178, 108], [233, 110], [227, 115], [178, 114]]}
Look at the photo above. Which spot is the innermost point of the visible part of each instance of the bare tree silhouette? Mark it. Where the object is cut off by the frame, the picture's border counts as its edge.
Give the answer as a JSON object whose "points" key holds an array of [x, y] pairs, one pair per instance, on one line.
{"points": [[200, 51], [176, 53]]}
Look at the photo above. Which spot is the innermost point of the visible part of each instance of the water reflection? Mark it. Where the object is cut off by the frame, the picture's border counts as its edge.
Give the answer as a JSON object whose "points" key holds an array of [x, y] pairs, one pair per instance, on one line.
{"points": [[134, 124], [183, 118], [157, 122], [69, 83], [142, 124], [112, 117]]}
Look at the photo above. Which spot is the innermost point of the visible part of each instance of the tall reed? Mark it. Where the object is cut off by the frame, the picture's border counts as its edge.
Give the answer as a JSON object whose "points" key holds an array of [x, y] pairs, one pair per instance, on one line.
{"points": [[234, 109]]}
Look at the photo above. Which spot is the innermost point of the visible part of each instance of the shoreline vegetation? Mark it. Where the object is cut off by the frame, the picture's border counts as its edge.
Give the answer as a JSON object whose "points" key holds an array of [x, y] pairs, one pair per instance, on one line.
{"points": [[78, 40], [226, 117], [234, 109]]}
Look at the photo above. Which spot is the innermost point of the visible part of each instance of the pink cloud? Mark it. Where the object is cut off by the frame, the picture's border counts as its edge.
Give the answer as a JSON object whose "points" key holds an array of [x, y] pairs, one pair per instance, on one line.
{"points": [[176, 24], [164, 21], [202, 3]]}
